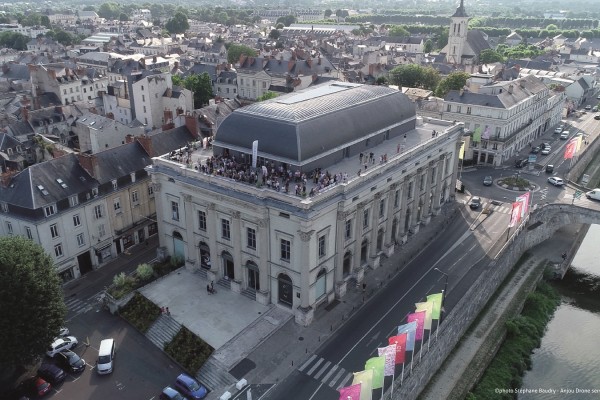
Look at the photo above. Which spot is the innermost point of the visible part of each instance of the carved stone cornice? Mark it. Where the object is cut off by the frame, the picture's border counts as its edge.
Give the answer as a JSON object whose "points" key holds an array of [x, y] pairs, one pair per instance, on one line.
{"points": [[394, 186], [305, 236], [342, 215], [156, 187], [187, 197], [377, 196], [236, 214], [263, 223], [211, 206]]}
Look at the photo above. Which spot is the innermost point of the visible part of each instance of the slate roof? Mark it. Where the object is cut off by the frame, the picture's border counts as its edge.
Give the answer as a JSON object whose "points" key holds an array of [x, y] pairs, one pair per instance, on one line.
{"points": [[167, 141], [313, 121], [583, 83], [531, 64], [121, 161], [460, 11], [477, 41], [49, 99], [199, 69], [16, 72]]}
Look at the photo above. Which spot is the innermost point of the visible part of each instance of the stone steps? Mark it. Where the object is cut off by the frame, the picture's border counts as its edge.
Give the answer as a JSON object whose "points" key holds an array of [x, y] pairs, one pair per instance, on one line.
{"points": [[215, 376], [163, 330], [249, 293], [224, 283]]}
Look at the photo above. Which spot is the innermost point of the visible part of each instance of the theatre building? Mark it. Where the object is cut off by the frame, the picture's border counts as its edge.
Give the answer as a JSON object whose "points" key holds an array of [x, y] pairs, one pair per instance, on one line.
{"points": [[343, 173]]}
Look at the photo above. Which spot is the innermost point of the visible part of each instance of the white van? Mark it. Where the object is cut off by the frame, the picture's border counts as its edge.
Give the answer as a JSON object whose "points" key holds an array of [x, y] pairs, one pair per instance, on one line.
{"points": [[593, 194], [106, 357]]}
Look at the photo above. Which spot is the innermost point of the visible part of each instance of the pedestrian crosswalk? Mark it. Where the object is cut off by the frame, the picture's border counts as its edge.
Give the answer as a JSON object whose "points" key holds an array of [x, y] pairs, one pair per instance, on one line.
{"points": [[79, 306], [326, 372]]}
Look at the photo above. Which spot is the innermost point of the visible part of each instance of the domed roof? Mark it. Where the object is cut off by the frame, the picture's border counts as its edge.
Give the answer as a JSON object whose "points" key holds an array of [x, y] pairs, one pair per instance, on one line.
{"points": [[314, 121]]}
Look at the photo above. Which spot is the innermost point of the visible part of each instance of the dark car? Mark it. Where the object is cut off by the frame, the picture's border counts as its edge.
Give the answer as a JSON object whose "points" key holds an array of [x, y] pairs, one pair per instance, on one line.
{"points": [[69, 360], [597, 116], [545, 146], [487, 181], [549, 168], [189, 387], [475, 203], [535, 150], [35, 387], [51, 373], [521, 163]]}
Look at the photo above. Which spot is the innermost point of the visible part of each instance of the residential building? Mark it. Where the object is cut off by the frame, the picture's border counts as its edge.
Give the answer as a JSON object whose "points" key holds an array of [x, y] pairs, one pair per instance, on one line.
{"points": [[58, 79], [304, 225], [97, 133]]}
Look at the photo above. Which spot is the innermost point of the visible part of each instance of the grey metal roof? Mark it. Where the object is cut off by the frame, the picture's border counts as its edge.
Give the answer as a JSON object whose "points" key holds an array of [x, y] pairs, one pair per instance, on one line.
{"points": [[304, 124], [173, 139], [121, 161]]}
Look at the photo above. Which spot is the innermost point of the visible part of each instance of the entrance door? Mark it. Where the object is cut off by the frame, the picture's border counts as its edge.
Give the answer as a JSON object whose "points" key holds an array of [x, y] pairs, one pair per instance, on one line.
{"points": [[85, 262], [178, 250], [204, 256], [253, 275], [320, 284], [228, 270], [286, 291]]}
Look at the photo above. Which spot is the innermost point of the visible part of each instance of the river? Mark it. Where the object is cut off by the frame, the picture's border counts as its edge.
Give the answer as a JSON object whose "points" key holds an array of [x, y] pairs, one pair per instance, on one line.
{"points": [[567, 364]]}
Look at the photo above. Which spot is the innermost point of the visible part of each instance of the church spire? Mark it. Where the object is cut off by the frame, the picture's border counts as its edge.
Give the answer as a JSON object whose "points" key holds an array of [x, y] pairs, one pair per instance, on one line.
{"points": [[460, 11]]}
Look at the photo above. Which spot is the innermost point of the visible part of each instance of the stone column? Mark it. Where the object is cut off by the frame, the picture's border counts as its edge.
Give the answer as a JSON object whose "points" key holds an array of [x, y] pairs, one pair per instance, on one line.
{"points": [[191, 261], [454, 165], [426, 218], [236, 243], [374, 230], [212, 225], [415, 217], [304, 312], [404, 206], [389, 240], [357, 268], [437, 204], [264, 269], [340, 238]]}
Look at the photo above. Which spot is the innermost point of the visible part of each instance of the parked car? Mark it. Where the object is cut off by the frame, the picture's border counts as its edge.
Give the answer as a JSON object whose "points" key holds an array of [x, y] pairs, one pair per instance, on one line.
{"points": [[475, 203], [189, 387], [545, 145], [64, 331], [35, 387], [546, 151], [521, 163], [564, 135], [535, 150], [556, 181], [595, 108], [169, 393], [558, 129], [549, 168], [593, 194], [69, 360], [597, 116], [487, 181], [588, 107], [60, 344], [51, 373]]}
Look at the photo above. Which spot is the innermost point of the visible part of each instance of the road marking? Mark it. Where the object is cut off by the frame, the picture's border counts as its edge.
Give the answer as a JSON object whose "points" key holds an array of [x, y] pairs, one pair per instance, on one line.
{"points": [[307, 363], [322, 370], [339, 374], [345, 381], [331, 371], [310, 371]]}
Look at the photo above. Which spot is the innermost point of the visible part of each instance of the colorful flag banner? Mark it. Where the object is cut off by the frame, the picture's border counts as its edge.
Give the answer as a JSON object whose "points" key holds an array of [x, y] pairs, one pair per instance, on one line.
{"points": [[515, 216], [579, 142], [400, 342], [420, 318], [428, 308], [436, 299], [389, 352], [486, 133], [570, 149], [351, 392], [524, 199], [365, 379], [377, 365], [461, 152], [410, 329], [477, 135]]}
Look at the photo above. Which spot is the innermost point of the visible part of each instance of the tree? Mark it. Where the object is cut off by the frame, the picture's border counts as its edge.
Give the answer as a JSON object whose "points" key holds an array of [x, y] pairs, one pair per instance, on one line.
{"points": [[267, 96], [109, 10], [490, 56], [14, 40], [287, 20], [64, 38], [274, 34], [442, 39], [398, 31], [381, 81], [178, 24], [89, 8], [123, 17], [45, 21], [551, 27], [428, 46], [454, 81], [31, 299], [328, 13], [201, 85], [413, 75], [234, 51]]}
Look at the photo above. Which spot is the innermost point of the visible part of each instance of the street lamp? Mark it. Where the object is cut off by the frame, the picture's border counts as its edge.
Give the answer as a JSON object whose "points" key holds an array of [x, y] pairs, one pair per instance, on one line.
{"points": [[443, 293]]}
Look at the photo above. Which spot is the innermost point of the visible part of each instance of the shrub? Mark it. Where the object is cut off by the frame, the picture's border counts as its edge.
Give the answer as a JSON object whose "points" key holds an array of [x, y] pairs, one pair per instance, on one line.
{"points": [[144, 271], [189, 350], [176, 261], [140, 312], [120, 280]]}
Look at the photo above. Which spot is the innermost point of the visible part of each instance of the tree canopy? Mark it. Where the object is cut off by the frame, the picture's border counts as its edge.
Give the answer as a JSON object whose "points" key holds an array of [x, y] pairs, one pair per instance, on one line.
{"points": [[31, 300], [413, 75], [178, 24], [287, 20], [201, 85], [274, 34], [109, 10], [454, 81], [267, 96], [398, 31], [14, 40], [234, 51], [490, 56]]}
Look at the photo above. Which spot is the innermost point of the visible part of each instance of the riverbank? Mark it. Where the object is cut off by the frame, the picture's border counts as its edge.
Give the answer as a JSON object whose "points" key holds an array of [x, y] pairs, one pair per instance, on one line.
{"points": [[465, 365]]}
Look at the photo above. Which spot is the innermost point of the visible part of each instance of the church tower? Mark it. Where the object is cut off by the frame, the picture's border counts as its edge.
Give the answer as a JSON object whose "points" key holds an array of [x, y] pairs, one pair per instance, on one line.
{"points": [[457, 37]]}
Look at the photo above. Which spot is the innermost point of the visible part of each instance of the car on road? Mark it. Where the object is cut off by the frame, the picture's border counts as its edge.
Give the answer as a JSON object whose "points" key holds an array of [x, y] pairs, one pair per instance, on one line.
{"points": [[475, 203], [535, 150], [545, 145], [169, 393], [51, 373], [69, 360], [64, 331], [593, 194], [598, 97], [549, 168], [546, 151], [564, 135], [60, 344], [588, 107], [558, 129], [556, 181], [597, 116], [521, 163], [487, 181], [190, 388]]}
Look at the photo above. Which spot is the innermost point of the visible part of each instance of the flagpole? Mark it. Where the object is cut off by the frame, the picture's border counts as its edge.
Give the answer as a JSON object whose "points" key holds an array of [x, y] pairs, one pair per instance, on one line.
{"points": [[402, 376]]}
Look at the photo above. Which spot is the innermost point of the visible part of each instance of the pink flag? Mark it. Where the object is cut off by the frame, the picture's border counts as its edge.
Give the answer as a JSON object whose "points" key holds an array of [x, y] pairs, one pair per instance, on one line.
{"points": [[420, 318], [351, 392], [400, 342], [570, 149], [525, 199], [390, 359], [515, 216]]}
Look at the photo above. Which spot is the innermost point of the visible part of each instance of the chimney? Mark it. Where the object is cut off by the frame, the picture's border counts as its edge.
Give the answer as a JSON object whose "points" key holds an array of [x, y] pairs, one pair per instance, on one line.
{"points": [[129, 138], [6, 177], [510, 89], [143, 62], [168, 116], [25, 114], [146, 143], [192, 124], [89, 163]]}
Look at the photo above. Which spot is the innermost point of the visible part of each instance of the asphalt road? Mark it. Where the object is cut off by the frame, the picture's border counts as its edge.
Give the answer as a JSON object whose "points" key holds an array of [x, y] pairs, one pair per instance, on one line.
{"points": [[458, 251]]}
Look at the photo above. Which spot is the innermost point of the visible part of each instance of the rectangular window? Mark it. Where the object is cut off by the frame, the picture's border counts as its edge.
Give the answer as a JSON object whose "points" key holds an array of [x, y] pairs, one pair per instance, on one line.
{"points": [[144, 108], [348, 229], [458, 109], [101, 230], [73, 200], [58, 250], [4, 207], [433, 171], [150, 190], [9, 227], [114, 184], [98, 211], [135, 199], [422, 182], [76, 220], [381, 208], [251, 235], [202, 220], [50, 210], [366, 218], [80, 240], [397, 199], [175, 210], [285, 248], [54, 231], [469, 110], [264, 85], [449, 108], [322, 246], [117, 205], [225, 230], [28, 233], [144, 99], [410, 189]]}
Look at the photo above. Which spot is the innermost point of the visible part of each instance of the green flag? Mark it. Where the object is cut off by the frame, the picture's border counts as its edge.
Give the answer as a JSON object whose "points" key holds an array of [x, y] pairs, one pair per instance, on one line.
{"points": [[428, 308], [436, 299], [477, 135], [377, 365], [365, 378]]}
